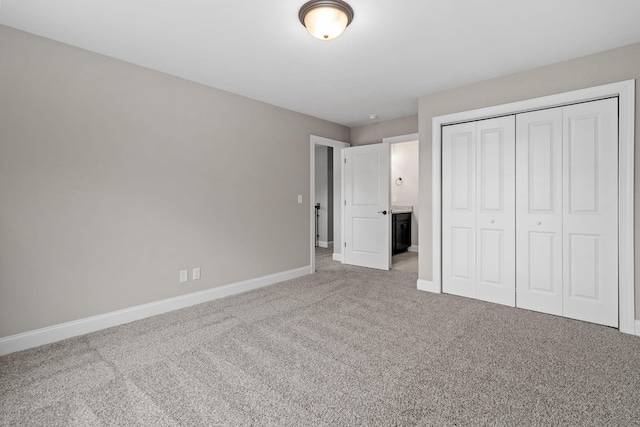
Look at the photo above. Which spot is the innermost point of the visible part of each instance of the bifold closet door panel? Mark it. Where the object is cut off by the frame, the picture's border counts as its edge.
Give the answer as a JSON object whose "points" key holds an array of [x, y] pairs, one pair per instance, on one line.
{"points": [[459, 209], [539, 210], [478, 210], [590, 220], [495, 218]]}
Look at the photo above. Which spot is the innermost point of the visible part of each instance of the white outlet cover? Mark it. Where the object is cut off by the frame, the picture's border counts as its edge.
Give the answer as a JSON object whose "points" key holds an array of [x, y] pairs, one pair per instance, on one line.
{"points": [[184, 276], [299, 198], [196, 273]]}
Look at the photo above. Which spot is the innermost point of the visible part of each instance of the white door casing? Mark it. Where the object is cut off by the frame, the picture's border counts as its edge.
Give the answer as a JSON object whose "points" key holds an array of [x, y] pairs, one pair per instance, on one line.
{"points": [[478, 210], [539, 210], [367, 219], [590, 211]]}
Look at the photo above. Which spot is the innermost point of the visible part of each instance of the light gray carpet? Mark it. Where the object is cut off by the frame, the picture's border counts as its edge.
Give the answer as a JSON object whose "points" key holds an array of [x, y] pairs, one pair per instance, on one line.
{"points": [[347, 346]]}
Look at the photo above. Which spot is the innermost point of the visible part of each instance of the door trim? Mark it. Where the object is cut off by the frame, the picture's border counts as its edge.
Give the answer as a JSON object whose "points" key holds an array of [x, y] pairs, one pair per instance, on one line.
{"points": [[625, 91], [410, 137], [336, 145]]}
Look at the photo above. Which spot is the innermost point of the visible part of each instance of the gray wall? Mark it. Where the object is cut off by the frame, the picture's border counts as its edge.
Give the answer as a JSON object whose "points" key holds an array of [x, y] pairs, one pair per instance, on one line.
{"points": [[374, 133], [602, 68], [405, 164], [114, 177], [324, 192], [336, 224], [331, 196]]}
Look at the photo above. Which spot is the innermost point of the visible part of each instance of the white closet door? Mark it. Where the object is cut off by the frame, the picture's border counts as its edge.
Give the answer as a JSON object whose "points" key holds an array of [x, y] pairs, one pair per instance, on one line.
{"points": [[478, 210], [459, 209], [539, 210], [495, 178], [590, 212]]}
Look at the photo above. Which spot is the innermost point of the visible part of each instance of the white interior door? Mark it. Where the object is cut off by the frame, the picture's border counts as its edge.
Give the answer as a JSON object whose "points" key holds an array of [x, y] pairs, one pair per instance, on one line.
{"points": [[539, 210], [367, 214], [590, 212], [478, 210]]}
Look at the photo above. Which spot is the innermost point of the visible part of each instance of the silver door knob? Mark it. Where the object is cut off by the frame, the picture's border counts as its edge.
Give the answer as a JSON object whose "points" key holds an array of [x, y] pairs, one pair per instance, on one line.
{"points": [[538, 222], [491, 221]]}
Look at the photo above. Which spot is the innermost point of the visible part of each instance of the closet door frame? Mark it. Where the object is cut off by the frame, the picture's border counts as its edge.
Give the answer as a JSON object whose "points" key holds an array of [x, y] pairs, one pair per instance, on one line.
{"points": [[625, 92]]}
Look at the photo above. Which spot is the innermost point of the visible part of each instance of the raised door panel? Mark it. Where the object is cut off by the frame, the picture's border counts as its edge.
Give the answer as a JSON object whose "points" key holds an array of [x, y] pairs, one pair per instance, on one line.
{"points": [[365, 185], [495, 181], [459, 209], [590, 214], [539, 211], [462, 254], [369, 231]]}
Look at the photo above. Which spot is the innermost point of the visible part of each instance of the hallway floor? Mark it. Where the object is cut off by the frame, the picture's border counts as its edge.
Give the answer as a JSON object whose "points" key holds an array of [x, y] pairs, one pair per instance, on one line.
{"points": [[406, 261]]}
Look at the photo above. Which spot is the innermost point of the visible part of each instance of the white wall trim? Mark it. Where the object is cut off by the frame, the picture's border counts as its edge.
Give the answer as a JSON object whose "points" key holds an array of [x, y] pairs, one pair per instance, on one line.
{"points": [[426, 285], [94, 323], [625, 91], [337, 146], [324, 244], [413, 248], [637, 328], [337, 257], [401, 138]]}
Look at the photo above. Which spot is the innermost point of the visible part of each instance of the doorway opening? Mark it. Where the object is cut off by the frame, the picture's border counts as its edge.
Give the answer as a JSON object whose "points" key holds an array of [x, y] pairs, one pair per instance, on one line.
{"points": [[404, 202], [326, 189], [324, 199]]}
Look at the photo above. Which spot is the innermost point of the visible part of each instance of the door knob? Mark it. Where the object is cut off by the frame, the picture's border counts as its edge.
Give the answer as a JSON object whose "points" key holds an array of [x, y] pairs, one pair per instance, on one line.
{"points": [[491, 221], [538, 222], [383, 212]]}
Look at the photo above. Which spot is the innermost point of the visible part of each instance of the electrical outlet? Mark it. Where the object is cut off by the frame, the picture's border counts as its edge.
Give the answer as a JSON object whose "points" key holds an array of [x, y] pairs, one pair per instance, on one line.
{"points": [[299, 198], [196, 273], [184, 276]]}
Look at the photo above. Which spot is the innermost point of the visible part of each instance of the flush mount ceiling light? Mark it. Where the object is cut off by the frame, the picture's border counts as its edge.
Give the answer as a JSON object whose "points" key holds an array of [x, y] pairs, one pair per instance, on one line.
{"points": [[325, 19]]}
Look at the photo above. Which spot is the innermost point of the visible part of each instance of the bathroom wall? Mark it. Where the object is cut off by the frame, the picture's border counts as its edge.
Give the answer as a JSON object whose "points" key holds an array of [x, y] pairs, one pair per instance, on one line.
{"points": [[404, 164]]}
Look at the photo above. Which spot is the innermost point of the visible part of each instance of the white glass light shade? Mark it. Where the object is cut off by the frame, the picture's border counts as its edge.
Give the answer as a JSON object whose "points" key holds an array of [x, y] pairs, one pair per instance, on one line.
{"points": [[326, 23], [325, 19]]}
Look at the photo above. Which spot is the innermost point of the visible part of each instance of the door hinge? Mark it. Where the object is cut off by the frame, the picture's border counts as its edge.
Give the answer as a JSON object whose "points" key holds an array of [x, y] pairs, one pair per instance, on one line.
{"points": [[345, 244], [345, 203], [345, 160]]}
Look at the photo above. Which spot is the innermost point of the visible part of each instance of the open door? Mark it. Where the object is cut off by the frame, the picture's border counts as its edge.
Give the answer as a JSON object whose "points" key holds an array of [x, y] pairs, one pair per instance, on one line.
{"points": [[367, 213]]}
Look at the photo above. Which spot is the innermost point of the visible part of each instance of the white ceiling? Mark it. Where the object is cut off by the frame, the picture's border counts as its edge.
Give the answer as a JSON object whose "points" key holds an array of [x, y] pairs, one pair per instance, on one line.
{"points": [[393, 52]]}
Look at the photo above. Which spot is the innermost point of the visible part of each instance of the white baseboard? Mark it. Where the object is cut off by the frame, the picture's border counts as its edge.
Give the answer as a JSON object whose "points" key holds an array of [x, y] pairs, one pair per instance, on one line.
{"points": [[413, 248], [324, 244], [91, 324], [427, 285], [337, 257], [638, 327]]}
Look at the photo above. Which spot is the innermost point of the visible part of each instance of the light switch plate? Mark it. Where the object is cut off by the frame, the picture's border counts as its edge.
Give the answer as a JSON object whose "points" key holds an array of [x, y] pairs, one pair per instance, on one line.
{"points": [[299, 198], [184, 276], [196, 273]]}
